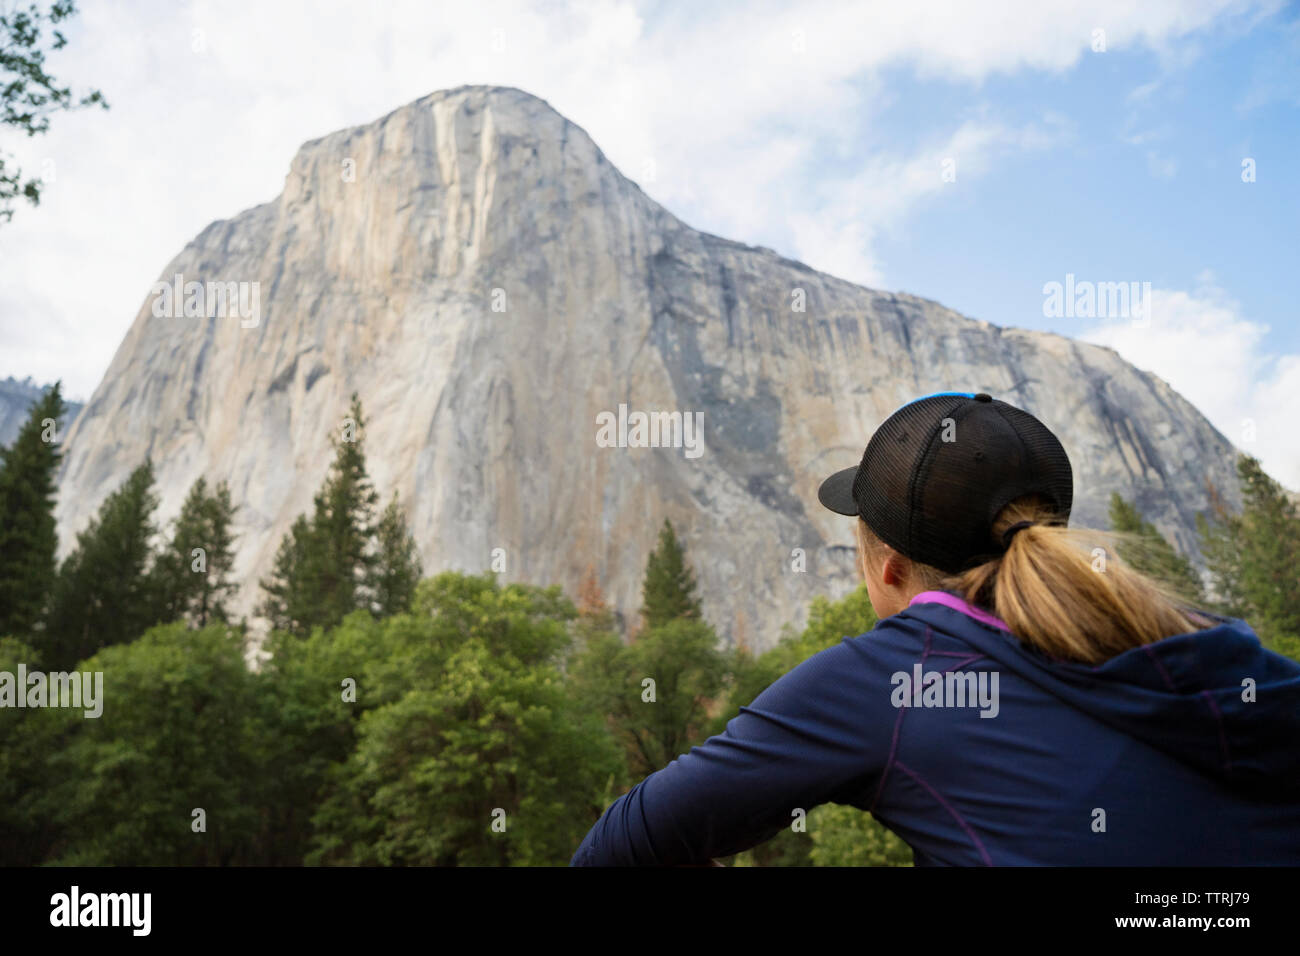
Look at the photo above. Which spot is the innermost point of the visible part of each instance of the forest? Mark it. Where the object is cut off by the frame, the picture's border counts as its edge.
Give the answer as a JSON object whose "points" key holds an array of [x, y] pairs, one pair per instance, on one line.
{"points": [[393, 718]]}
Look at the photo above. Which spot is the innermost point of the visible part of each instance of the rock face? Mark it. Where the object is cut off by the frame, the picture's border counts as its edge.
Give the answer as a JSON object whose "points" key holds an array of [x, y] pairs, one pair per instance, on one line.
{"points": [[490, 284]]}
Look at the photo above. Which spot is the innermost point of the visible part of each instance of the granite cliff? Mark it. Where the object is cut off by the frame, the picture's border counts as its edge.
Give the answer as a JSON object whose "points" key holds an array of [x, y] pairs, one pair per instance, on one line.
{"points": [[490, 284]]}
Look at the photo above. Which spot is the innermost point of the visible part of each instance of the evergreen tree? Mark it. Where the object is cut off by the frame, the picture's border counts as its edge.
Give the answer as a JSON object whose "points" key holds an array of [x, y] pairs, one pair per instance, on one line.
{"points": [[1270, 556], [669, 588], [217, 584], [657, 692], [28, 538], [397, 565], [344, 523], [325, 566], [103, 594], [192, 572], [1254, 555], [1221, 536], [290, 588], [1147, 551], [31, 737], [655, 722]]}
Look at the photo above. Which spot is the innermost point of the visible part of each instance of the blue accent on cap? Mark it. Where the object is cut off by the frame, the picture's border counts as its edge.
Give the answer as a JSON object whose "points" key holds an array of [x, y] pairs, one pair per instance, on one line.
{"points": [[933, 395]]}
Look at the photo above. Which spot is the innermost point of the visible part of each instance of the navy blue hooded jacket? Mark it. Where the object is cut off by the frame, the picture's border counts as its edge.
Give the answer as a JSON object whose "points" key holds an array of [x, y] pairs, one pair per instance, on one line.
{"points": [[1182, 752]]}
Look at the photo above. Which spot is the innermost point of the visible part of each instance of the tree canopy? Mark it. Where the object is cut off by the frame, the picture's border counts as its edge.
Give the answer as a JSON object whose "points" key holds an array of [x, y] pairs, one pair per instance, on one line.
{"points": [[29, 95]]}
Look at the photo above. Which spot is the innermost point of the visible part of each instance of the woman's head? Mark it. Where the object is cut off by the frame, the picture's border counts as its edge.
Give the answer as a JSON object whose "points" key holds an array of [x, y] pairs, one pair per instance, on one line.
{"points": [[1052, 587], [939, 470], [958, 492]]}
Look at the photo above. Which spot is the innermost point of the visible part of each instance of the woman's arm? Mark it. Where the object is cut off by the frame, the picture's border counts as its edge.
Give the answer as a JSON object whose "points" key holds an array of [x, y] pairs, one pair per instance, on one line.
{"points": [[819, 734]]}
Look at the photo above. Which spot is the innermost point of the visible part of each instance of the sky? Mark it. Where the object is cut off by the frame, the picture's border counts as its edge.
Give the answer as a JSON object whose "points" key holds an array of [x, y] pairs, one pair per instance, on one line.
{"points": [[970, 153]]}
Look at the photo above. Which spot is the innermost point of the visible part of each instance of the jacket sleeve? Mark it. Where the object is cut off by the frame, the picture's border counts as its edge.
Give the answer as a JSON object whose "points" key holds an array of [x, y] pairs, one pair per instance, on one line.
{"points": [[819, 734]]}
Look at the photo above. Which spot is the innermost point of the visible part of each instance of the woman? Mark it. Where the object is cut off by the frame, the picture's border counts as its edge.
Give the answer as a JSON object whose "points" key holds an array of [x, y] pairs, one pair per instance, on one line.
{"points": [[1022, 700]]}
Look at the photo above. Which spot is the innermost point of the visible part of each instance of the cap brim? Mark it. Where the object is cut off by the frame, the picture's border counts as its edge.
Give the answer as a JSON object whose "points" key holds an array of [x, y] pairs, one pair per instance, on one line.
{"points": [[836, 492]]}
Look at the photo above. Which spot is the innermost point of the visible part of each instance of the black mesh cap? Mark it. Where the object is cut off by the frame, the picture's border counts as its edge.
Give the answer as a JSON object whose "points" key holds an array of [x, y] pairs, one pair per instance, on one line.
{"points": [[938, 471]]}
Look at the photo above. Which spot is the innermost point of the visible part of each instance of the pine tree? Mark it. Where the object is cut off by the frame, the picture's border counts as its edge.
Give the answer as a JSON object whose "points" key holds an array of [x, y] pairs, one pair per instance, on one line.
{"points": [[1221, 534], [1270, 553], [289, 588], [1254, 557], [668, 592], [324, 568], [103, 594], [1147, 551], [397, 566], [344, 523], [28, 538], [192, 573], [218, 586]]}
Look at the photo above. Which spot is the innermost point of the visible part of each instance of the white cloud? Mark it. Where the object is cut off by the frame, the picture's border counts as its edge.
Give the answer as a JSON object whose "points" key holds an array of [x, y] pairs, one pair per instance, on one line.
{"points": [[1201, 344], [738, 107], [1142, 93], [836, 231]]}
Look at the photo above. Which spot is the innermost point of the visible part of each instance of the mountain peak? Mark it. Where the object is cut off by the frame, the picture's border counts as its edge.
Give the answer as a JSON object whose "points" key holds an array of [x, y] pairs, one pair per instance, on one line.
{"points": [[493, 288]]}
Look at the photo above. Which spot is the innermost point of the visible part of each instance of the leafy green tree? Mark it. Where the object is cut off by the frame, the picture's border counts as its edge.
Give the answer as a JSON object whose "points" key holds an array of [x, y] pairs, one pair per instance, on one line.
{"points": [[471, 750], [28, 736], [845, 836], [1147, 551], [656, 692], [103, 594], [192, 573], [682, 658], [397, 566], [311, 694], [178, 733], [594, 670], [28, 94], [669, 588], [491, 745], [594, 614], [28, 538], [316, 689], [324, 566], [1254, 555]]}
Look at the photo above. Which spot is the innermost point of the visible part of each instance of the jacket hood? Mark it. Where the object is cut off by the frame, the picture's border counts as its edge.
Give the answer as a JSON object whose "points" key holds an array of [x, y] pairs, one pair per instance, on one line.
{"points": [[1215, 699]]}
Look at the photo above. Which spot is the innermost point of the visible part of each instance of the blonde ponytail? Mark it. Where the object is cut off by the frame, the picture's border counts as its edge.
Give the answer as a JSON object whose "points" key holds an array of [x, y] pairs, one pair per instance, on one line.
{"points": [[1059, 593]]}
